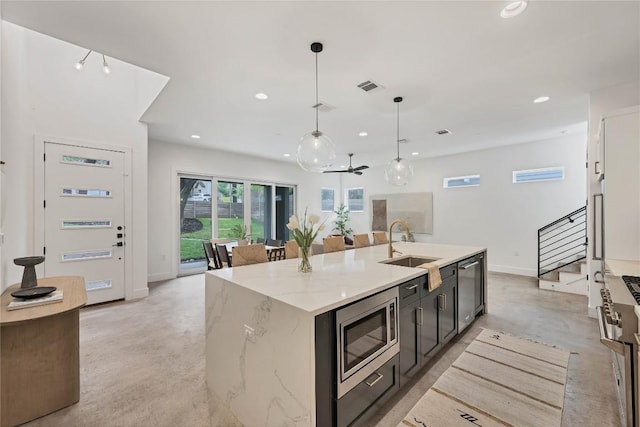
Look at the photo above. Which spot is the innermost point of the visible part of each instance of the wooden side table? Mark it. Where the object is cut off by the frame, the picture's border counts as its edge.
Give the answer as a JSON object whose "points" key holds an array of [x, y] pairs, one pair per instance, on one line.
{"points": [[40, 353]]}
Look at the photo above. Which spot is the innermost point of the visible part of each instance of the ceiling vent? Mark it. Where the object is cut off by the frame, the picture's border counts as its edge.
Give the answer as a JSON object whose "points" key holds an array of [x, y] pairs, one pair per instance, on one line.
{"points": [[369, 86], [443, 132], [324, 107]]}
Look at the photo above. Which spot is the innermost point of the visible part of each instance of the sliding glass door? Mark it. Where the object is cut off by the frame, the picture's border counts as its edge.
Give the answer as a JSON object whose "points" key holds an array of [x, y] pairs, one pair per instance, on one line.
{"points": [[285, 207], [217, 208], [230, 209], [261, 217], [195, 222]]}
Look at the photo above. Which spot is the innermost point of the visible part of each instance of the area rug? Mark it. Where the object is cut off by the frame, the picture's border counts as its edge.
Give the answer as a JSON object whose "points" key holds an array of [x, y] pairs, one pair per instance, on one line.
{"points": [[499, 380]]}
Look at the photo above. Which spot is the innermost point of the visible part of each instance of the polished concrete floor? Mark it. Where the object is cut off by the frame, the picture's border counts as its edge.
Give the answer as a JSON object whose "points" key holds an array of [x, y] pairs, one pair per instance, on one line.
{"points": [[142, 362]]}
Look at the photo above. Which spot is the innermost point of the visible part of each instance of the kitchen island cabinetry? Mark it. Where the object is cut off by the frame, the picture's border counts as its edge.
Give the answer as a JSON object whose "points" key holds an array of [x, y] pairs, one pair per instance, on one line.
{"points": [[427, 322], [265, 364]]}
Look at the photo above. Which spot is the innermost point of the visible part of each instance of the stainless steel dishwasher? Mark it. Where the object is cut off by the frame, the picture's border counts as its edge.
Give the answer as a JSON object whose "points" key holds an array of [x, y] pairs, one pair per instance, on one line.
{"points": [[469, 279]]}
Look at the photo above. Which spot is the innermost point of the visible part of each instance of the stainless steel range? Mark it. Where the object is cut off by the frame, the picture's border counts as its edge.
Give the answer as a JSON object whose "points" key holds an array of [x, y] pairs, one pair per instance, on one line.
{"points": [[618, 324]]}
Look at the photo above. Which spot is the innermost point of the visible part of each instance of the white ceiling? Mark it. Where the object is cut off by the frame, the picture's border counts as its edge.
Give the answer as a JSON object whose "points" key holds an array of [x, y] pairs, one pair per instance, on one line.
{"points": [[458, 66]]}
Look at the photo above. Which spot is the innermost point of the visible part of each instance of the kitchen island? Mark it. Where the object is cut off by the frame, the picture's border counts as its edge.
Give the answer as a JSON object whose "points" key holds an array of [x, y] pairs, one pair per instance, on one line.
{"points": [[261, 331]]}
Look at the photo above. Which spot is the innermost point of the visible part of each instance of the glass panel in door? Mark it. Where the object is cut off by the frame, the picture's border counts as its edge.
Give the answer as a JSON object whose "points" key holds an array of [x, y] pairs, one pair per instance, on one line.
{"points": [[285, 207], [260, 212], [195, 223], [230, 208]]}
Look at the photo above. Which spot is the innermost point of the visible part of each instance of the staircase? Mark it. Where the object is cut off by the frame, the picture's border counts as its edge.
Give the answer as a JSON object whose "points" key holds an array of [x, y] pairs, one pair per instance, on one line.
{"points": [[562, 253]]}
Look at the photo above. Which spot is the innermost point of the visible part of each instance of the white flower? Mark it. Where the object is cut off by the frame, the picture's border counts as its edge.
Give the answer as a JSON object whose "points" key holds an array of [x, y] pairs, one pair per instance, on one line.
{"points": [[293, 223], [313, 219]]}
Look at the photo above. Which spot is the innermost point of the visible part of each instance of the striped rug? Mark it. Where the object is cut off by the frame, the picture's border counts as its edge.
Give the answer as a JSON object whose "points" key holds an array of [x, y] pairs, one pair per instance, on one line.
{"points": [[499, 380]]}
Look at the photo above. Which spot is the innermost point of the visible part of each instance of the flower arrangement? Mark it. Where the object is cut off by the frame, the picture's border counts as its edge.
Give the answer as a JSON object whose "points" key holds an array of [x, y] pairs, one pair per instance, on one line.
{"points": [[304, 234]]}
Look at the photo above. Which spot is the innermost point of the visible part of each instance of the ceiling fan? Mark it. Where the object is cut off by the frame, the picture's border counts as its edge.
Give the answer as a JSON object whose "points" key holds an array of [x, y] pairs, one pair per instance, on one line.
{"points": [[351, 169]]}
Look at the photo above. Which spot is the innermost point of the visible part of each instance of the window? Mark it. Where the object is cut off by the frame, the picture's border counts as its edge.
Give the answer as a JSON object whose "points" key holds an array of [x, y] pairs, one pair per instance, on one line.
{"points": [[354, 199], [327, 204], [536, 175], [461, 181]]}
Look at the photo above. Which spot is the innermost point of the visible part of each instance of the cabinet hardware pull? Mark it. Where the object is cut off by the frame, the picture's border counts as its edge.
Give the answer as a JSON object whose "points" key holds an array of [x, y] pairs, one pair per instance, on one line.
{"points": [[372, 383], [409, 288], [445, 301], [464, 267], [440, 304], [420, 321]]}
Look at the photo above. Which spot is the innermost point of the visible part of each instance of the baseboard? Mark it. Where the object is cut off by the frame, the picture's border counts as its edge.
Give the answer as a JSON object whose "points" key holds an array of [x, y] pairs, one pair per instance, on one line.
{"points": [[591, 312], [140, 293], [513, 270], [160, 276]]}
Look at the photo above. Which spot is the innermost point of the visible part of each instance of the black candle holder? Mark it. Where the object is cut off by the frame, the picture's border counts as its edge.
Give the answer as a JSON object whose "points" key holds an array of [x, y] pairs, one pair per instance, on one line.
{"points": [[29, 279]]}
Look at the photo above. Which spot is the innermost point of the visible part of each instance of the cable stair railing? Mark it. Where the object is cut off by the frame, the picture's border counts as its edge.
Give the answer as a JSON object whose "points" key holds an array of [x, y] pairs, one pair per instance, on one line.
{"points": [[562, 242]]}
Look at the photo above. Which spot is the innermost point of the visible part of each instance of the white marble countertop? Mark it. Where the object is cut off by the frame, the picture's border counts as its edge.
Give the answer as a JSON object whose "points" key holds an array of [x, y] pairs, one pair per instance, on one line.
{"points": [[622, 267], [338, 278]]}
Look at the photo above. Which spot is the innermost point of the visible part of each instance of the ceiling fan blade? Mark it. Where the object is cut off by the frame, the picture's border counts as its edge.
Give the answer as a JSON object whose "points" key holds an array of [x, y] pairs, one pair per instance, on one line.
{"points": [[360, 168], [341, 171], [355, 172]]}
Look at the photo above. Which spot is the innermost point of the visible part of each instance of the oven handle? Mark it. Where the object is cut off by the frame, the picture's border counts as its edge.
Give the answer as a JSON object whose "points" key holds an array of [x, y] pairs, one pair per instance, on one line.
{"points": [[616, 346]]}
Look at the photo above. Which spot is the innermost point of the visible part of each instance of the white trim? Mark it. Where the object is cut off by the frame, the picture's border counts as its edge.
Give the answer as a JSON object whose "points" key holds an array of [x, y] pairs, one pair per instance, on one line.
{"points": [[513, 270], [160, 277], [130, 292]]}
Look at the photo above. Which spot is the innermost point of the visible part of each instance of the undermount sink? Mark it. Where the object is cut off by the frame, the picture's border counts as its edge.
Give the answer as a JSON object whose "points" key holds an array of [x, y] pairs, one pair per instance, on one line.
{"points": [[409, 261]]}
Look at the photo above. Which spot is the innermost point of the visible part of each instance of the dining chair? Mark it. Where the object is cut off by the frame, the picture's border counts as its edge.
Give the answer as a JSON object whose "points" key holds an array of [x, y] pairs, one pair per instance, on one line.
{"points": [[380, 237], [249, 254], [333, 244], [274, 242], [223, 254], [291, 249], [276, 254], [361, 240], [260, 240], [213, 260]]}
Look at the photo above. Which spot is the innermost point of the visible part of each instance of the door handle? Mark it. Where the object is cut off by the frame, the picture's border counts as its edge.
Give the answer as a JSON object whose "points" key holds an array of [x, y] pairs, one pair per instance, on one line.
{"points": [[464, 267], [119, 244], [440, 303], [420, 321], [409, 288]]}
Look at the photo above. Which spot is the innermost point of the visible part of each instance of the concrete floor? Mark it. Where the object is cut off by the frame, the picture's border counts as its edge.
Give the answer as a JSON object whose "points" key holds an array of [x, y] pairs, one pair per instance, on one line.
{"points": [[142, 362]]}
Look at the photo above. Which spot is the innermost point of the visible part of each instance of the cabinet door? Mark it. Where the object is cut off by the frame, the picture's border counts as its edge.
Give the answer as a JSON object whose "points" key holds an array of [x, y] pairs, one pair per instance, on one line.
{"points": [[429, 324], [447, 312], [410, 356]]}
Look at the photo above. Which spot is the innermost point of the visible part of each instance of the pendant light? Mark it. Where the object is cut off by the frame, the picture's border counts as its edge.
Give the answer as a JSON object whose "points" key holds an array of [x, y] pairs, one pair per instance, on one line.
{"points": [[316, 152], [398, 171]]}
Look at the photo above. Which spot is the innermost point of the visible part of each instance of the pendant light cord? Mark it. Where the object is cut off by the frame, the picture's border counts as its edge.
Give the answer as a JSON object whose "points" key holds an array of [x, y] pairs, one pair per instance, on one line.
{"points": [[317, 106], [398, 132]]}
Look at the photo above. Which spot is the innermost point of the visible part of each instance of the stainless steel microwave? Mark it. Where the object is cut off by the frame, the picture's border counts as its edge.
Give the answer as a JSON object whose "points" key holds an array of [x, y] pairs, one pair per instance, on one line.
{"points": [[367, 337]]}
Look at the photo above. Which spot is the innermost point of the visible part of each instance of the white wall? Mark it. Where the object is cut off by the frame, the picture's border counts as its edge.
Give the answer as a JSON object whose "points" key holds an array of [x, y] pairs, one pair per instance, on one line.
{"points": [[602, 102], [43, 94], [499, 215], [166, 160]]}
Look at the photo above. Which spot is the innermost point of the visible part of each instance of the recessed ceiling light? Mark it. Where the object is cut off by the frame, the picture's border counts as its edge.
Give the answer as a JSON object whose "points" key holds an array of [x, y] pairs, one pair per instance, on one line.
{"points": [[415, 153], [514, 9], [541, 99], [363, 134], [195, 136], [286, 154], [261, 96]]}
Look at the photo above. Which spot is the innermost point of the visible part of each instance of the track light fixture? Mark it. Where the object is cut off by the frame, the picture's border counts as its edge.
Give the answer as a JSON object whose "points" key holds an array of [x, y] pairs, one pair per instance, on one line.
{"points": [[105, 66]]}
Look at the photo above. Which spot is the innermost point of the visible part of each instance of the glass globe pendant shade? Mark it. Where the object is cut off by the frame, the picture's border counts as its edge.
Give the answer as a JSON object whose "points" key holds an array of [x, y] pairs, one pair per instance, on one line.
{"points": [[316, 152], [398, 172]]}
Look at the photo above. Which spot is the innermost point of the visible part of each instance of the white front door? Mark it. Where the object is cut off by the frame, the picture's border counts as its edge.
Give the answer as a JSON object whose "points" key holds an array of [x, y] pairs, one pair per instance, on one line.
{"points": [[84, 230]]}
